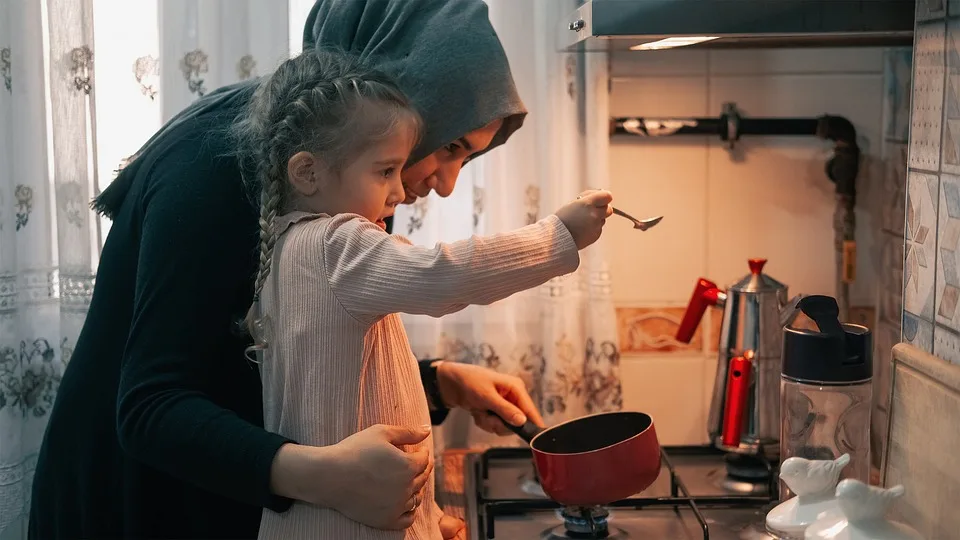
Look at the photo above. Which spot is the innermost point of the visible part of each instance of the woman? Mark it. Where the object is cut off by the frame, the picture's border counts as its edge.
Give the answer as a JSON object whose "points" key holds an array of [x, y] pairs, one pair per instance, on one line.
{"points": [[156, 431]]}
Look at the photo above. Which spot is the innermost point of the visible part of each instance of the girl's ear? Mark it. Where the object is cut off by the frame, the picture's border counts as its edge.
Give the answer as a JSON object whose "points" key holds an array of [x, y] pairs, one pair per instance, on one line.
{"points": [[301, 173]]}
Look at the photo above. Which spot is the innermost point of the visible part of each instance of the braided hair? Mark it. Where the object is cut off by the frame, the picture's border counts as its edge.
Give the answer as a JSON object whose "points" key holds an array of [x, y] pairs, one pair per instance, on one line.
{"points": [[324, 102]]}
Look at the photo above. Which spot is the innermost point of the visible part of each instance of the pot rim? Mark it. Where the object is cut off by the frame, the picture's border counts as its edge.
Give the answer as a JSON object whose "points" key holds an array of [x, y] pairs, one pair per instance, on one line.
{"points": [[581, 418]]}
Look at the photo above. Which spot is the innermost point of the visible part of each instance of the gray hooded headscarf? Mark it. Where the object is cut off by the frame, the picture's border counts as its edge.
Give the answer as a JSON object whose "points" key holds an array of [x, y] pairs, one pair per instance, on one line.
{"points": [[444, 54]]}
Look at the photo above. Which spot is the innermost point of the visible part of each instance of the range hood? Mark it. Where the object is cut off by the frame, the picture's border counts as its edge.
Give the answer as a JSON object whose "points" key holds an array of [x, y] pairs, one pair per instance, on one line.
{"points": [[604, 25]]}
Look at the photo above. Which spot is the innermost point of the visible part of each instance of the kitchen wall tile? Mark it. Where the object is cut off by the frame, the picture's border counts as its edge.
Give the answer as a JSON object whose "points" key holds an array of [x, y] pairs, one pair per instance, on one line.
{"points": [[946, 344], [890, 282], [950, 150], [658, 63], [948, 253], [709, 380], [885, 336], [659, 177], [917, 332], [920, 251], [927, 84], [659, 97], [712, 339], [893, 188], [785, 217], [898, 68], [653, 330], [796, 204], [670, 390], [771, 62], [654, 177], [931, 9], [862, 315]]}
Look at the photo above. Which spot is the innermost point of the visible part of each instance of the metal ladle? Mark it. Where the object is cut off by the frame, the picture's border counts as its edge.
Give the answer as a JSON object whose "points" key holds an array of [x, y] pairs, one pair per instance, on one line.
{"points": [[642, 224]]}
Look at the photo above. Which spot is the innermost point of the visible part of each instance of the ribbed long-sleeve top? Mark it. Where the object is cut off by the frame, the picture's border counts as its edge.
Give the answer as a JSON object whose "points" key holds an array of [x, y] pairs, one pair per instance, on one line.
{"points": [[337, 358]]}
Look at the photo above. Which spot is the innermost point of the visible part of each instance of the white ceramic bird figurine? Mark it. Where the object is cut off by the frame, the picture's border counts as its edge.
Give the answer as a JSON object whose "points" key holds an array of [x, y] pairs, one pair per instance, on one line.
{"points": [[860, 502], [861, 516], [809, 478], [814, 483]]}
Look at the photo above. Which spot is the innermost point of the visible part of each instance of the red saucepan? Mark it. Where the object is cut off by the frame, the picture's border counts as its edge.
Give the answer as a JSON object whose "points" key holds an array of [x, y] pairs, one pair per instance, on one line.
{"points": [[594, 460]]}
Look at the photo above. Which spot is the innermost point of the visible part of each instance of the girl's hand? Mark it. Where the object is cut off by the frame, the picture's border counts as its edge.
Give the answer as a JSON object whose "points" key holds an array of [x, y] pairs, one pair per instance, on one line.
{"points": [[452, 528], [585, 216]]}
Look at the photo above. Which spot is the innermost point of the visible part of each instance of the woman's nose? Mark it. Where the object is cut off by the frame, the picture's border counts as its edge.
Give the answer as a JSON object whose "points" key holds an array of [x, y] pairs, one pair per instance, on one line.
{"points": [[445, 179]]}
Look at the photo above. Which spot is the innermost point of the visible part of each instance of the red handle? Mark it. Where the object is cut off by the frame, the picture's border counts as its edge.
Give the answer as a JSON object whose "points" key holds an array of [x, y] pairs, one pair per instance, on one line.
{"points": [[705, 294], [756, 265], [738, 388]]}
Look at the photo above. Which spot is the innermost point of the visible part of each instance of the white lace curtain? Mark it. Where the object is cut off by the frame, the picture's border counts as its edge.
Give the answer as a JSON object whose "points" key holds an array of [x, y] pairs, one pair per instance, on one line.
{"points": [[561, 338], [83, 84]]}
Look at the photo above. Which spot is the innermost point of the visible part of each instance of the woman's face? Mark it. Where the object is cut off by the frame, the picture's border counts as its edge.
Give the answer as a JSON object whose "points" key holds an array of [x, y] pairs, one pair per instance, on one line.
{"points": [[439, 171]]}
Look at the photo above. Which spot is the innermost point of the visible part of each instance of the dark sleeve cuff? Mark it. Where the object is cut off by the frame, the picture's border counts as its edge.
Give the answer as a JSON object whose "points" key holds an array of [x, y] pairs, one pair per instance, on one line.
{"points": [[428, 375], [272, 501], [437, 417]]}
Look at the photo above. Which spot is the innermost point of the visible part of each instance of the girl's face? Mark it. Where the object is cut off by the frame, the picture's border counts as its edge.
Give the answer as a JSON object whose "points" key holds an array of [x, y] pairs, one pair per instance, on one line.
{"points": [[439, 171], [368, 185]]}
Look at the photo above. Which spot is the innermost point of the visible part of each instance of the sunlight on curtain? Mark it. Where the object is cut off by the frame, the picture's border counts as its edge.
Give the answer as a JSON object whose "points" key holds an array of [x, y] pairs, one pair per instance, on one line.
{"points": [[83, 84]]}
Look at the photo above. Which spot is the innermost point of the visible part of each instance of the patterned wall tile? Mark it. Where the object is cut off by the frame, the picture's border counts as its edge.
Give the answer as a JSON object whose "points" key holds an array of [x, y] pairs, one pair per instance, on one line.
{"points": [[897, 71], [890, 294], [920, 249], [947, 300], [917, 332], [893, 190], [946, 344], [927, 84], [950, 151], [648, 330], [931, 9]]}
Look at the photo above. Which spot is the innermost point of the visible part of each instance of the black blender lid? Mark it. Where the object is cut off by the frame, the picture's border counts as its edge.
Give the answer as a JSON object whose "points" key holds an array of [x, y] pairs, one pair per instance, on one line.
{"points": [[839, 353]]}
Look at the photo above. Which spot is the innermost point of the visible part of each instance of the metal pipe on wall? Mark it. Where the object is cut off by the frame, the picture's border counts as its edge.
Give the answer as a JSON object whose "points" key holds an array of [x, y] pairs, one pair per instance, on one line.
{"points": [[841, 169]]}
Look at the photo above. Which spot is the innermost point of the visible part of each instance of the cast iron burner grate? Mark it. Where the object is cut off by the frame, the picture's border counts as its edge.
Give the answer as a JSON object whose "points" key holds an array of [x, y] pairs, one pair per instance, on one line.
{"points": [[580, 523]]}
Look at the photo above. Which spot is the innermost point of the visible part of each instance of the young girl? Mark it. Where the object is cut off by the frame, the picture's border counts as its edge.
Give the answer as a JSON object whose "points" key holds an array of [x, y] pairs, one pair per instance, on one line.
{"points": [[328, 139]]}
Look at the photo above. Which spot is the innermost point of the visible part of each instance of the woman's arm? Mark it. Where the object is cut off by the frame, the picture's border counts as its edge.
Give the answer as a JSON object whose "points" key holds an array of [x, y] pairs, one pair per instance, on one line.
{"points": [[373, 273], [194, 254]]}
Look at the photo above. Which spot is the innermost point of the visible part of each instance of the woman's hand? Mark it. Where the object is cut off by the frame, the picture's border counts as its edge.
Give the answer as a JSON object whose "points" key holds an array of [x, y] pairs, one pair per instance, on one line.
{"points": [[366, 477], [452, 528], [479, 389]]}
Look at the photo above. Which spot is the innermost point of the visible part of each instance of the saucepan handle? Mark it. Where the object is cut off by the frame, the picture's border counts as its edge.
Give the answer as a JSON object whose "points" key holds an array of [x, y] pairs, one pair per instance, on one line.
{"points": [[527, 431]]}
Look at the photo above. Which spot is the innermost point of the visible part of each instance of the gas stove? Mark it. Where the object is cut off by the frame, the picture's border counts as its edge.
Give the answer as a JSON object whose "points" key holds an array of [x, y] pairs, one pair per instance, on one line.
{"points": [[701, 493]]}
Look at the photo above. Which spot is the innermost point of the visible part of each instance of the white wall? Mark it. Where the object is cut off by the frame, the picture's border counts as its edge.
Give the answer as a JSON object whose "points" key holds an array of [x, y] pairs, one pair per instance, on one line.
{"points": [[774, 202]]}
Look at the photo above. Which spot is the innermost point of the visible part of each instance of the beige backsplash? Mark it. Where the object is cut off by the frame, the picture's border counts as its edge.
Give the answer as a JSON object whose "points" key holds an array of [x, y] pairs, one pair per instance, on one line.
{"points": [[923, 439]]}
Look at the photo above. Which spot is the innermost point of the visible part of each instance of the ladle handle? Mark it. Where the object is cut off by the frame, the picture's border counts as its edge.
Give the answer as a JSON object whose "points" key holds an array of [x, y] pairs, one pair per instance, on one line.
{"points": [[527, 431]]}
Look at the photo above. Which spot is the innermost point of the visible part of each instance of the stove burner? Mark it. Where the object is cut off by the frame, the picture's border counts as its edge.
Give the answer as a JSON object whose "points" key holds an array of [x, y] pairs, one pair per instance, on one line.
{"points": [[747, 475], [559, 533], [581, 522]]}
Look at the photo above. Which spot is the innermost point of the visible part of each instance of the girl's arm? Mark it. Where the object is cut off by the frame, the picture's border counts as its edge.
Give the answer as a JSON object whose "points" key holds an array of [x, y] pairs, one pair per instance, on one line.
{"points": [[373, 273]]}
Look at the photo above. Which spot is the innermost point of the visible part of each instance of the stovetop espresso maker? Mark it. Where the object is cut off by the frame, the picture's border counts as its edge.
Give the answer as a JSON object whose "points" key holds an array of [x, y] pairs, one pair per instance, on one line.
{"points": [[745, 408]]}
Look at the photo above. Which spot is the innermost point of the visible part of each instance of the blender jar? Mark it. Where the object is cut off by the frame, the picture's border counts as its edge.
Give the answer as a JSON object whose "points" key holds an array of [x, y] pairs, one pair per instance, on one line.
{"points": [[826, 390]]}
